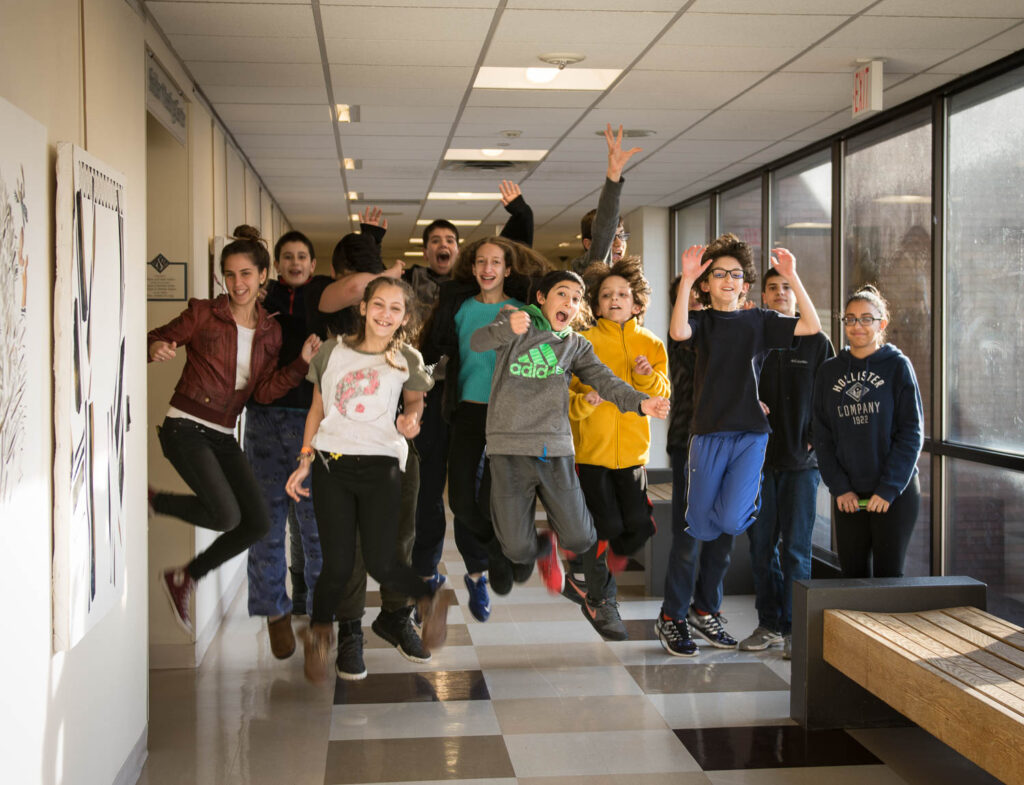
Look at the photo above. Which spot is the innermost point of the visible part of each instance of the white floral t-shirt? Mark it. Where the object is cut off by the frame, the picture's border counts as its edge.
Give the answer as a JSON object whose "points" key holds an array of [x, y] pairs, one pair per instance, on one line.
{"points": [[361, 394]]}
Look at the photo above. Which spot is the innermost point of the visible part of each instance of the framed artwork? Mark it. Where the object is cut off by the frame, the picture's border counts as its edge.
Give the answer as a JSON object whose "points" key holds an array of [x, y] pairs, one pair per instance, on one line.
{"points": [[90, 406]]}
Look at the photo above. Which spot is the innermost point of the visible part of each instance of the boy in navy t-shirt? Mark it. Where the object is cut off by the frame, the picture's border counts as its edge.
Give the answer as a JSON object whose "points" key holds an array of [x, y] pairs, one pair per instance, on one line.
{"points": [[730, 429]]}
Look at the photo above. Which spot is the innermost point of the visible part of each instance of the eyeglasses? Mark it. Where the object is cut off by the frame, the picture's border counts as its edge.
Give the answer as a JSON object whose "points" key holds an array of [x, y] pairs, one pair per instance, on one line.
{"points": [[623, 236], [865, 321], [719, 273]]}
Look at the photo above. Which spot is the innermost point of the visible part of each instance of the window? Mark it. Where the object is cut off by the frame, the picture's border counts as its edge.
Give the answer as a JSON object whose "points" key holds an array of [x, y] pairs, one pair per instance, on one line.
{"points": [[888, 236], [740, 213], [984, 267], [693, 227]]}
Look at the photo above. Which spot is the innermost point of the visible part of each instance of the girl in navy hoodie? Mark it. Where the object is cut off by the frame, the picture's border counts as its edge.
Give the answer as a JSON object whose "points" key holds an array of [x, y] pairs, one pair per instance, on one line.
{"points": [[868, 435]]}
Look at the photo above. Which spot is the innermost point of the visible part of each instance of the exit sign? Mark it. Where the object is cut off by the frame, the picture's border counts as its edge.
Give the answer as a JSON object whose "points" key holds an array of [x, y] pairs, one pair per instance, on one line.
{"points": [[867, 89]]}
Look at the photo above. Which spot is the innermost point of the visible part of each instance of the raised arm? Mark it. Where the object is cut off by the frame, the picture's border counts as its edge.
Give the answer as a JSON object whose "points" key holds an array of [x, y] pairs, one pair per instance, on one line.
{"points": [[606, 221], [784, 261], [679, 323], [519, 226]]}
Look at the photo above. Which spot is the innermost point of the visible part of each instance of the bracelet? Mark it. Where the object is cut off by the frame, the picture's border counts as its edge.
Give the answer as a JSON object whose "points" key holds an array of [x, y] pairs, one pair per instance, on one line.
{"points": [[304, 453]]}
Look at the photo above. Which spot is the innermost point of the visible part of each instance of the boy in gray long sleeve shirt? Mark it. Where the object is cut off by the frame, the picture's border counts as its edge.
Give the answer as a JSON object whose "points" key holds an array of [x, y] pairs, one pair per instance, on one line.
{"points": [[528, 438]]}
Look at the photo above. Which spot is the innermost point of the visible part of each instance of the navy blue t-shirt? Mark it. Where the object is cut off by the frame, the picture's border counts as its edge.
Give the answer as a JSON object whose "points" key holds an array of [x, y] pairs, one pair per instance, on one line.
{"points": [[731, 347]]}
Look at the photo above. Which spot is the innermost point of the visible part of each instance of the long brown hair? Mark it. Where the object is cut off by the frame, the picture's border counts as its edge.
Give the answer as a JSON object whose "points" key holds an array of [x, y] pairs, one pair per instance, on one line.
{"points": [[522, 261], [404, 331]]}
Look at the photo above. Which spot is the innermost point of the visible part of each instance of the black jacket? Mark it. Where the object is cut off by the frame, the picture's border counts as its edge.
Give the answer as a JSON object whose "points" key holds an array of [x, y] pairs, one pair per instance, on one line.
{"points": [[786, 387]]}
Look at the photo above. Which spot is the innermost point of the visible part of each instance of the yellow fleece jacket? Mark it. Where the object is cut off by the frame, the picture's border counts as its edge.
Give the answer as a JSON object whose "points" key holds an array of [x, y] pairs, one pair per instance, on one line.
{"points": [[602, 435]]}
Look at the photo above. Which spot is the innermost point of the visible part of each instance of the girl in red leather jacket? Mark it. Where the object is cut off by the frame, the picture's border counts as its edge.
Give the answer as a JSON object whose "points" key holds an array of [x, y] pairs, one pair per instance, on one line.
{"points": [[232, 345]]}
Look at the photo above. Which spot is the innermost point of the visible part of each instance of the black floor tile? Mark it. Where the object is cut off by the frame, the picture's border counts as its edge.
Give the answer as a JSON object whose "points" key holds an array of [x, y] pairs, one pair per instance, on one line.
{"points": [[413, 688], [778, 746]]}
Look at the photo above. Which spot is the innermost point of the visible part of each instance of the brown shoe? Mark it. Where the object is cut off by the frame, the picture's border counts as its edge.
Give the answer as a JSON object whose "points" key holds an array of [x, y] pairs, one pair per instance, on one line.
{"points": [[433, 609], [282, 637], [316, 644]]}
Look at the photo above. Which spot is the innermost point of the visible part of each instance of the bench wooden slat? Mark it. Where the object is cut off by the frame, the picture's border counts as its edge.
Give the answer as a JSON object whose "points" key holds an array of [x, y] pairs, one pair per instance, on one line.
{"points": [[662, 491], [979, 727], [1005, 682], [921, 648], [974, 640], [1008, 633]]}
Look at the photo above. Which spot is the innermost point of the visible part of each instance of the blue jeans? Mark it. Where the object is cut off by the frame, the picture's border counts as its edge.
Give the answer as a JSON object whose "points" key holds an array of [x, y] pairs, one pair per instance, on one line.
{"points": [[696, 570], [780, 544], [273, 438]]}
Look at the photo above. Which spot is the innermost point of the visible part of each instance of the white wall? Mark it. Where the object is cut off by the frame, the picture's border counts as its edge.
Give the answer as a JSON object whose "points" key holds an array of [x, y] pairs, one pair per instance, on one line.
{"points": [[649, 238], [79, 716]]}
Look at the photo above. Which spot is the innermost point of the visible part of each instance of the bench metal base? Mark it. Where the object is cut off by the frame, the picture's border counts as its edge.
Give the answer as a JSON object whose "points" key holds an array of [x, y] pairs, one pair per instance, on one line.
{"points": [[820, 696]]}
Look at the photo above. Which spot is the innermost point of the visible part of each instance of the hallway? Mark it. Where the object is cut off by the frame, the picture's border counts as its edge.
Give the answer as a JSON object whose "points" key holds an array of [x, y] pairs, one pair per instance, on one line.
{"points": [[533, 696]]}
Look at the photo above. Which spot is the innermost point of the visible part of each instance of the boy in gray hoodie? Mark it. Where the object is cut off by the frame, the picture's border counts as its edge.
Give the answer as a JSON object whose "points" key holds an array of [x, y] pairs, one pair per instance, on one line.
{"points": [[529, 442]]}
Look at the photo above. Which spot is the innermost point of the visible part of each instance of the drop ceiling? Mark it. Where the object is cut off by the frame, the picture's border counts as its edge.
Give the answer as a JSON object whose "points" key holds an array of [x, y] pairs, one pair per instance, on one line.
{"points": [[725, 85]]}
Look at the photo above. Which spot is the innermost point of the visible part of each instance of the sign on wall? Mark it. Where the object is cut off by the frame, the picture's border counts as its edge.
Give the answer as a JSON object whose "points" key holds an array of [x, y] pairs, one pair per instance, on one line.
{"points": [[164, 100]]}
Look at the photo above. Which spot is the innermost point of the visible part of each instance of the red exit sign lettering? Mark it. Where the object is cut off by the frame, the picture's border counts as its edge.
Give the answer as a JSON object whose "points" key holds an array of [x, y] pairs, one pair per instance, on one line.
{"points": [[867, 89]]}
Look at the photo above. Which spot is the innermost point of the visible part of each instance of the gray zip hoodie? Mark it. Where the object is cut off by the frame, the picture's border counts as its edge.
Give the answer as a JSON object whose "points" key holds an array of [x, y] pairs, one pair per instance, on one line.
{"points": [[528, 412]]}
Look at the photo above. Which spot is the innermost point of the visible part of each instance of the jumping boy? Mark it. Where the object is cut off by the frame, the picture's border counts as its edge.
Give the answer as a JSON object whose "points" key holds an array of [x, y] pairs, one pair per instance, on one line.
{"points": [[528, 437], [613, 447], [730, 429]]}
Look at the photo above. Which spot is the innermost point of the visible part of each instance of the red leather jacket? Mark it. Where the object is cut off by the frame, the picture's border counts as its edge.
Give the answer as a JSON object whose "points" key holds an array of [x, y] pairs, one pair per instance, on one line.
{"points": [[206, 388]]}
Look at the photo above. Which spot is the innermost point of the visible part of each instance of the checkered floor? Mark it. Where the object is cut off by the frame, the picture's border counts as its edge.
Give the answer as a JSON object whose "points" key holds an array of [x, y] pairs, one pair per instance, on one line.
{"points": [[533, 696]]}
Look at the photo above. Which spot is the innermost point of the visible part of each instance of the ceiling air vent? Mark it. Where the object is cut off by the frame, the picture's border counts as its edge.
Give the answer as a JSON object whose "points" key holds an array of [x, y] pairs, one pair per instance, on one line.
{"points": [[487, 166]]}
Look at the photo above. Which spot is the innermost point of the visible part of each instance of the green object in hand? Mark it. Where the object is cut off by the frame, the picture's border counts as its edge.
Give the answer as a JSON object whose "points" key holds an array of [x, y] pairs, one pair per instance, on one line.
{"points": [[862, 503]]}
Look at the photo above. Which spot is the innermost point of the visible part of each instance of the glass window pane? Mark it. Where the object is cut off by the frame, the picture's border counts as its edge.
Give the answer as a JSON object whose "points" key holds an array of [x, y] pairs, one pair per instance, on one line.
{"points": [[985, 267], [740, 213], [693, 227], [802, 222], [919, 552], [888, 235], [985, 532]]}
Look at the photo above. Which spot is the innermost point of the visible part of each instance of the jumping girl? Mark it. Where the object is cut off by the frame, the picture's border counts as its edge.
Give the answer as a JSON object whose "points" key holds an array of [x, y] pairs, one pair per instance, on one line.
{"points": [[357, 450], [867, 433], [232, 353], [489, 275]]}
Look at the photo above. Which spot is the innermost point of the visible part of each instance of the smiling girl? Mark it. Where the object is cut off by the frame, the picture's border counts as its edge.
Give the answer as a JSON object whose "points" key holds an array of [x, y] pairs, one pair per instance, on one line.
{"points": [[356, 449], [867, 433], [490, 274], [232, 347]]}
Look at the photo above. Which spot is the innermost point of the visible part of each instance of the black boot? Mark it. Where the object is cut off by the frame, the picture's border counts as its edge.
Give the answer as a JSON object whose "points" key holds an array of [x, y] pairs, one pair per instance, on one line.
{"points": [[350, 664]]}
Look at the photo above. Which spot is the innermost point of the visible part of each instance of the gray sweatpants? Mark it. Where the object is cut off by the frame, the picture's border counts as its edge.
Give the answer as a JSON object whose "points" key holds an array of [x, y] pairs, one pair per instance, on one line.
{"points": [[516, 482]]}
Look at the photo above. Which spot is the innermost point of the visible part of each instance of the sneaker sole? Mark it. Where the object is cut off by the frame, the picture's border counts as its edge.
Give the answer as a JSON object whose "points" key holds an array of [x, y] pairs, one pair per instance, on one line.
{"points": [[712, 641], [666, 647], [349, 676], [187, 627], [744, 646]]}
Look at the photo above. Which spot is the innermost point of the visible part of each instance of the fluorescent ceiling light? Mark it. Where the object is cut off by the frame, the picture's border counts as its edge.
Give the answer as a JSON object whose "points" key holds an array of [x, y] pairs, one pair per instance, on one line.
{"points": [[564, 245], [416, 240], [346, 114], [903, 199], [808, 225], [458, 222], [353, 163], [467, 154], [541, 75], [354, 196], [414, 253], [354, 216], [463, 196], [495, 78]]}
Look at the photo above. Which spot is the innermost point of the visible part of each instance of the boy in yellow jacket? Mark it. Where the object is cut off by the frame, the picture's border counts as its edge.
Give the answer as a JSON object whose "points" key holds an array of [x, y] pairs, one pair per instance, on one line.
{"points": [[613, 447]]}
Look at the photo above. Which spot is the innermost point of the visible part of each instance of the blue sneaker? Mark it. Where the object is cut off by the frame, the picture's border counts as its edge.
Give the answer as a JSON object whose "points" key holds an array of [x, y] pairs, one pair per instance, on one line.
{"points": [[435, 582], [479, 600]]}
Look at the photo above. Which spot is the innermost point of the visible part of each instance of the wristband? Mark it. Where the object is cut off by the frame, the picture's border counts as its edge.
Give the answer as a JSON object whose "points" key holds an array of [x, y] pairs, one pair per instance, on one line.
{"points": [[305, 452]]}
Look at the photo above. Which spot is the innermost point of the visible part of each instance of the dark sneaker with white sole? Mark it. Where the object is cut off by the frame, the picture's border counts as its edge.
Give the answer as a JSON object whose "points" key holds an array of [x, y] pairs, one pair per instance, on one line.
{"points": [[349, 664], [396, 628], [604, 617], [710, 626], [575, 589], [674, 635], [760, 639]]}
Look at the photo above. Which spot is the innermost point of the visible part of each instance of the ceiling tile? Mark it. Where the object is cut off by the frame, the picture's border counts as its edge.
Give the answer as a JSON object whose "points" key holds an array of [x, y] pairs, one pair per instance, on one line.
{"points": [[428, 27], [949, 8], [274, 113], [578, 30], [228, 19], [266, 95], [408, 97], [778, 6], [269, 141], [531, 98], [257, 74], [267, 49], [902, 33], [300, 130], [767, 126], [675, 57], [364, 51], [751, 29], [678, 90]]}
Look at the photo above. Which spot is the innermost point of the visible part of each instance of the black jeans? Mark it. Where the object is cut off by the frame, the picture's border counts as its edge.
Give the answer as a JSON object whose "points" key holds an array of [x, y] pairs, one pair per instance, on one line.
{"points": [[227, 497], [874, 544], [617, 498], [470, 506], [358, 493]]}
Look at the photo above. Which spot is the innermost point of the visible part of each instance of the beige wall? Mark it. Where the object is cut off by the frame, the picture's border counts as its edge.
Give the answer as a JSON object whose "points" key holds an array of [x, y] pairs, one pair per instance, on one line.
{"points": [[78, 69]]}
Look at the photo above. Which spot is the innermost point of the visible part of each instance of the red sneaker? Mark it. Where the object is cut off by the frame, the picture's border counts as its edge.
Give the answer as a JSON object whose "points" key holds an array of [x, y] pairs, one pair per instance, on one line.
{"points": [[549, 564], [178, 586]]}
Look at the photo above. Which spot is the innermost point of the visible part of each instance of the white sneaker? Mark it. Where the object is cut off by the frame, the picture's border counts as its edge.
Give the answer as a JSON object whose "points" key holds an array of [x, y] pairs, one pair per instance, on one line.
{"points": [[760, 639]]}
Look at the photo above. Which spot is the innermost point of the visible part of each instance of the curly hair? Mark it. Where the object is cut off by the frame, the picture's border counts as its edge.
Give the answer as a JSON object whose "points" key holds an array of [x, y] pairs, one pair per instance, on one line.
{"points": [[404, 331], [726, 245], [632, 270]]}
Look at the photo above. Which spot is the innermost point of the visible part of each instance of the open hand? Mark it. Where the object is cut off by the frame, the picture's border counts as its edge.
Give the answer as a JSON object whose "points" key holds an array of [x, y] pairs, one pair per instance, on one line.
{"points": [[310, 347], [509, 192], [655, 406], [617, 157], [161, 350], [783, 261], [374, 216], [692, 269]]}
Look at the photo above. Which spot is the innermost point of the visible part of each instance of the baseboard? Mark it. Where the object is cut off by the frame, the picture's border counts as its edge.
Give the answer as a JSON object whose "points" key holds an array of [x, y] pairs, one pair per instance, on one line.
{"points": [[168, 656], [131, 770]]}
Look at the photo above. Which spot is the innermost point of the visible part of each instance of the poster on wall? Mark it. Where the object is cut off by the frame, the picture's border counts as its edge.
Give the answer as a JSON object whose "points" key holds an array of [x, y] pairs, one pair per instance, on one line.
{"points": [[90, 406], [24, 315]]}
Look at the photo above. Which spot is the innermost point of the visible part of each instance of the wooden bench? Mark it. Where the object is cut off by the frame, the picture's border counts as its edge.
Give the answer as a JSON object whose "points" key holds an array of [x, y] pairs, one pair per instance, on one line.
{"points": [[956, 672]]}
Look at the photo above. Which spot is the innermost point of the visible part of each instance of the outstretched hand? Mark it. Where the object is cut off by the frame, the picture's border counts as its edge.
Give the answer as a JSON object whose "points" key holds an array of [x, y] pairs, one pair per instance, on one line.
{"points": [[784, 262], [692, 269], [655, 406], [617, 157], [509, 192], [159, 351], [374, 216]]}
